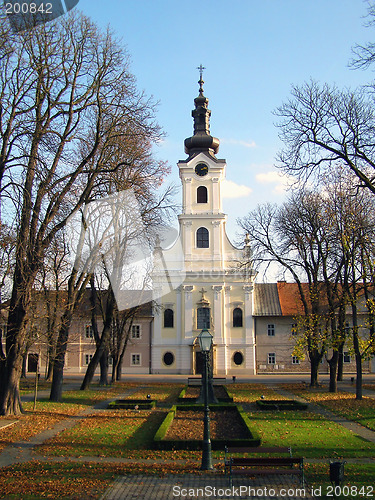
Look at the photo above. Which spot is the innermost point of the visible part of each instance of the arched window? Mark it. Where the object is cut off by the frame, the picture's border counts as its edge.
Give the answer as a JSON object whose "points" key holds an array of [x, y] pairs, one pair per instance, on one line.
{"points": [[203, 318], [168, 318], [237, 317], [202, 238], [202, 194]]}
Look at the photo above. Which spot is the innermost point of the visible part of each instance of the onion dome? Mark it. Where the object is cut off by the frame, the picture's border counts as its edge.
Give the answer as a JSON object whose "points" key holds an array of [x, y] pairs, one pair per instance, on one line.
{"points": [[201, 140]]}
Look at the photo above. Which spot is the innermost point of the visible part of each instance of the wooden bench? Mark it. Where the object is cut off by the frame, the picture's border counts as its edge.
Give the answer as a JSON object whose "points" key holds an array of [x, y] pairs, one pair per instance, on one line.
{"points": [[252, 466], [198, 381]]}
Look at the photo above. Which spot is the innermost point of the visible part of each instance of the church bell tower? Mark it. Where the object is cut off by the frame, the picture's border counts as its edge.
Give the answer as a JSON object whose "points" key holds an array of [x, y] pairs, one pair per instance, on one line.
{"points": [[214, 294]]}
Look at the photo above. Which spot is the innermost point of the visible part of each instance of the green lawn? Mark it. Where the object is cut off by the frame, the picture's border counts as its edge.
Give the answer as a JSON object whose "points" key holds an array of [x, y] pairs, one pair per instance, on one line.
{"points": [[310, 435], [128, 434], [341, 403]]}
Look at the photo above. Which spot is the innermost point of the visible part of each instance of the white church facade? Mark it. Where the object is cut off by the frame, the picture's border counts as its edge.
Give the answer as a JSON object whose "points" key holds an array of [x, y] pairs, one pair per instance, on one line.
{"points": [[215, 294]]}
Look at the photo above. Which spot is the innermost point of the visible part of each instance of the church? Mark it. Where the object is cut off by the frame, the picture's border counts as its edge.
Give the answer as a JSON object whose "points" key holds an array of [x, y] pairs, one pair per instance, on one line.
{"points": [[217, 293]]}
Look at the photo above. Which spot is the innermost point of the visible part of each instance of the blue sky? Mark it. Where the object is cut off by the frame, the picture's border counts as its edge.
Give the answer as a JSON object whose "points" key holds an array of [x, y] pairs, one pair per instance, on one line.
{"points": [[253, 51]]}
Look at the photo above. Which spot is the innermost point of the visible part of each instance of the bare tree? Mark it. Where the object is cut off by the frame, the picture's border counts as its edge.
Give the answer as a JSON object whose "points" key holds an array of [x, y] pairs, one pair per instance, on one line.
{"points": [[323, 127], [65, 94], [52, 281], [293, 236]]}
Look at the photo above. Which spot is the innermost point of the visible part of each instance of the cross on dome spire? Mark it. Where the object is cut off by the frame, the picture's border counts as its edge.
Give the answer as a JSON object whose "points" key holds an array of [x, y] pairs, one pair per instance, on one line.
{"points": [[201, 141], [201, 82]]}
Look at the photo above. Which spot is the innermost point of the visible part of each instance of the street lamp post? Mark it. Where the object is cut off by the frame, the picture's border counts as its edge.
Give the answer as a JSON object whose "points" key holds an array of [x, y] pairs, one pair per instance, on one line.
{"points": [[205, 343]]}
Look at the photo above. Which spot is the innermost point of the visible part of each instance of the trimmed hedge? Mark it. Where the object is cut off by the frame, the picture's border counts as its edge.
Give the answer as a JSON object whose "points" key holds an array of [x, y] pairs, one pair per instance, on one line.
{"points": [[281, 404], [252, 440], [130, 404]]}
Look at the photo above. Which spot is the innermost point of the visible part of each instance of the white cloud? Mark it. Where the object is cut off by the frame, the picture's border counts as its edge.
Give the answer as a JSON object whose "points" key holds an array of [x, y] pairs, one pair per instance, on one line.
{"points": [[230, 189], [282, 182], [246, 144]]}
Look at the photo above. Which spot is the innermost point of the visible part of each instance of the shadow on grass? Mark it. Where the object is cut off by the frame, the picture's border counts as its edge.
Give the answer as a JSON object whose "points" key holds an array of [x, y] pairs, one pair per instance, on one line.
{"points": [[101, 435]]}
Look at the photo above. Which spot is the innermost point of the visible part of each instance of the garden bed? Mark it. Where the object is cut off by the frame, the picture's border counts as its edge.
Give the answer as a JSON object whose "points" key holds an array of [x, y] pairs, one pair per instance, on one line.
{"points": [[183, 428], [281, 404], [132, 404], [190, 394]]}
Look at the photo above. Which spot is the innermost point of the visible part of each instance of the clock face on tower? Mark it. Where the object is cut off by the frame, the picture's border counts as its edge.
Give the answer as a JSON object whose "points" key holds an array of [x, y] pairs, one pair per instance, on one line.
{"points": [[201, 169]]}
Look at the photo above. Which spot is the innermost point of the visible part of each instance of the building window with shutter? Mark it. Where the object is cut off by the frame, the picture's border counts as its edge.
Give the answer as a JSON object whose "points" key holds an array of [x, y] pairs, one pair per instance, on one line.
{"points": [[89, 332], [136, 331], [136, 360], [271, 358], [271, 330], [88, 358]]}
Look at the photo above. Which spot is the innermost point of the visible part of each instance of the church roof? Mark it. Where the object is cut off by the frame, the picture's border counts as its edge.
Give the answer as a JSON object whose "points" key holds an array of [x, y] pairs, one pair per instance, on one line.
{"points": [[278, 299], [266, 300]]}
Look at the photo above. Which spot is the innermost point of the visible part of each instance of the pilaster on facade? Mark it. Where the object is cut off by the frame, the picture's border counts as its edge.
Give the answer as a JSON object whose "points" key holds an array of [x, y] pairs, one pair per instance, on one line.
{"points": [[217, 247], [186, 230], [157, 313], [227, 289], [218, 313], [188, 310], [249, 323], [221, 366], [187, 205], [250, 360], [178, 315], [216, 198]]}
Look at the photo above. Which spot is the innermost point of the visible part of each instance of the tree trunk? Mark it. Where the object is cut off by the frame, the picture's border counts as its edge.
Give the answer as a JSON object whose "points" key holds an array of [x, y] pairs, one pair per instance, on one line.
{"points": [[340, 363], [119, 370], [314, 370], [58, 365], [24, 364], [49, 373], [50, 359], [103, 343], [333, 366], [90, 372], [357, 351], [114, 369], [358, 382], [10, 394], [104, 368], [11, 366]]}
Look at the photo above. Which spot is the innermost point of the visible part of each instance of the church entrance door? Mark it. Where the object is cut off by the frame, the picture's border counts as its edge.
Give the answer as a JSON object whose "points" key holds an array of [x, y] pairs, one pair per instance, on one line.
{"points": [[199, 363]]}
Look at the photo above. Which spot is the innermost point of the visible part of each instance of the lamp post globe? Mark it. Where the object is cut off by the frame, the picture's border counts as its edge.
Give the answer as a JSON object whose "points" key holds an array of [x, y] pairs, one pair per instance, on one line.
{"points": [[205, 340]]}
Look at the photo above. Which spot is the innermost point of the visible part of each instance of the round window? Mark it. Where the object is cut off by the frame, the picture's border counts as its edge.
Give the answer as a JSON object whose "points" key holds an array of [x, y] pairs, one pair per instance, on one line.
{"points": [[238, 358], [168, 358]]}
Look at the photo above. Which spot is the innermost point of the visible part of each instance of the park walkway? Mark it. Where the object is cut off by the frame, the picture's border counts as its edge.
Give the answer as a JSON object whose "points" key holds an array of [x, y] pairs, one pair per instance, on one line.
{"points": [[197, 485], [205, 486]]}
